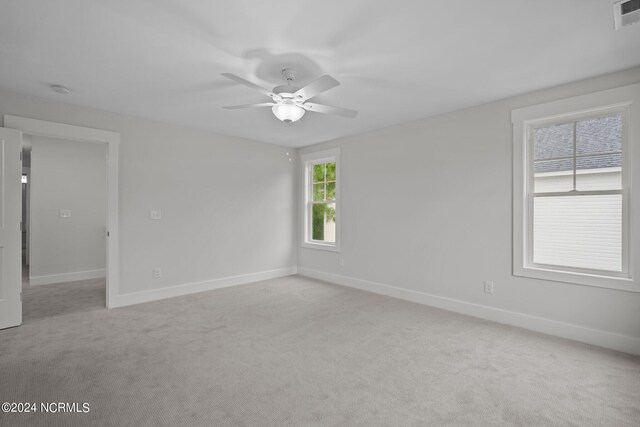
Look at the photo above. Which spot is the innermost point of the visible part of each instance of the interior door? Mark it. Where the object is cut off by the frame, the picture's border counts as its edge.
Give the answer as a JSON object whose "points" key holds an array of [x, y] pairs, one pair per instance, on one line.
{"points": [[10, 215]]}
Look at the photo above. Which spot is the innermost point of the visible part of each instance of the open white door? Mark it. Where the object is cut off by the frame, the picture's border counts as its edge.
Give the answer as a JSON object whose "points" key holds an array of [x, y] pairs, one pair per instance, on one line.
{"points": [[10, 215]]}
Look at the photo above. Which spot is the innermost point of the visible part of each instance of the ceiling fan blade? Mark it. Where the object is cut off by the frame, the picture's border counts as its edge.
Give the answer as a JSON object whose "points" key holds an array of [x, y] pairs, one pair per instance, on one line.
{"points": [[323, 84], [248, 83], [237, 107], [327, 109]]}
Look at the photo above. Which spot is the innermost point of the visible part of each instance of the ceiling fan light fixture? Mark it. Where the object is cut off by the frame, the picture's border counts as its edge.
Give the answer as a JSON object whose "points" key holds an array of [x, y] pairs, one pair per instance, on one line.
{"points": [[288, 113]]}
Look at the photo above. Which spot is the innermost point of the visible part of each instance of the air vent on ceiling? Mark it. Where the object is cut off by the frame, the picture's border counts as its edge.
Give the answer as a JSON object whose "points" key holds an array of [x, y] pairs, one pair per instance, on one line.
{"points": [[626, 12]]}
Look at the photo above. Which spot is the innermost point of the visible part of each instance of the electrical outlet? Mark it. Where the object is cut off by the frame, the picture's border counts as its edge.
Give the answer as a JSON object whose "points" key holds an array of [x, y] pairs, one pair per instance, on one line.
{"points": [[341, 262], [488, 287], [157, 273], [65, 213], [155, 215]]}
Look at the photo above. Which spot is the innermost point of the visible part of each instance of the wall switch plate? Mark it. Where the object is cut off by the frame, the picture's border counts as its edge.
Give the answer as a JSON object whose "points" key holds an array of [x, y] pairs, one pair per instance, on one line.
{"points": [[156, 215], [157, 273], [65, 213], [341, 262], [488, 287]]}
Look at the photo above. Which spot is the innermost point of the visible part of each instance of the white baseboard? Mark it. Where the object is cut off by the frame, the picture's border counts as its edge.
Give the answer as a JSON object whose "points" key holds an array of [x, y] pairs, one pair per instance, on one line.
{"points": [[66, 277], [597, 337], [192, 288]]}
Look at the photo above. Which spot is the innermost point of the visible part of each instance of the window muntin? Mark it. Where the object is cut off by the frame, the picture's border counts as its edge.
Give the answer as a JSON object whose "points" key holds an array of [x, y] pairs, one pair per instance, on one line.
{"points": [[576, 197], [321, 196]]}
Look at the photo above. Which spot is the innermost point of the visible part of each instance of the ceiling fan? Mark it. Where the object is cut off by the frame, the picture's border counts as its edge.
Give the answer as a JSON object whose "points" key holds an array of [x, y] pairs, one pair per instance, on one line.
{"points": [[289, 103]]}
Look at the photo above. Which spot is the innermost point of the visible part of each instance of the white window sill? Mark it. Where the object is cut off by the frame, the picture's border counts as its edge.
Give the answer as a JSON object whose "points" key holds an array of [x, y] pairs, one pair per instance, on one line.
{"points": [[622, 283], [321, 246]]}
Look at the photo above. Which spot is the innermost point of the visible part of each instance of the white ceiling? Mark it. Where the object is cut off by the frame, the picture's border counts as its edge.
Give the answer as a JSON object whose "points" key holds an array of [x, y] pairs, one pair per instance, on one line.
{"points": [[397, 61]]}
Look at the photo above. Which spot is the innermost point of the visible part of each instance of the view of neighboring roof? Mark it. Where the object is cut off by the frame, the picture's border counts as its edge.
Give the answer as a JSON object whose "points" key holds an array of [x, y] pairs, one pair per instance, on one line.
{"points": [[598, 144]]}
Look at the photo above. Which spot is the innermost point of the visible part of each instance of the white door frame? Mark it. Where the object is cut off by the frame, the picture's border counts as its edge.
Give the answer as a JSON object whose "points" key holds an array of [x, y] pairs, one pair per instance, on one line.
{"points": [[82, 134]]}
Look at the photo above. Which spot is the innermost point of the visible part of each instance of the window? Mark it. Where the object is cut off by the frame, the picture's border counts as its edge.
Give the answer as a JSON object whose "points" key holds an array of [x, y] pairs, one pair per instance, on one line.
{"points": [[576, 196], [572, 191], [321, 210]]}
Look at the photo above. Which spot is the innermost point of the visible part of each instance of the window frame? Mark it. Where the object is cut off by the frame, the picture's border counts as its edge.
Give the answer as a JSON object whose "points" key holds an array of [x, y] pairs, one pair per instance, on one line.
{"points": [[308, 161], [525, 120]]}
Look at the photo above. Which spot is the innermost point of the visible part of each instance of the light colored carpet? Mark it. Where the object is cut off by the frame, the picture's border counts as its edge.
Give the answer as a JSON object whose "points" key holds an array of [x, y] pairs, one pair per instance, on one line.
{"points": [[298, 352]]}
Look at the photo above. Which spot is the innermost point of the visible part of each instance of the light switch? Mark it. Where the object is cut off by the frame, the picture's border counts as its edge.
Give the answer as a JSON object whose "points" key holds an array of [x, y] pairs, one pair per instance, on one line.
{"points": [[155, 215], [65, 213]]}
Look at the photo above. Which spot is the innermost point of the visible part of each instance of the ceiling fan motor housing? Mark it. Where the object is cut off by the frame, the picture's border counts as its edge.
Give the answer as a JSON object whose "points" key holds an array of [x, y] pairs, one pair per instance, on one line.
{"points": [[285, 89]]}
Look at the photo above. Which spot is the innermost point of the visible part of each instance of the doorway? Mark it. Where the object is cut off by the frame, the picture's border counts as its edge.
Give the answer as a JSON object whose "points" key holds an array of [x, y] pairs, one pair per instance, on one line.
{"points": [[24, 222], [64, 226], [106, 141]]}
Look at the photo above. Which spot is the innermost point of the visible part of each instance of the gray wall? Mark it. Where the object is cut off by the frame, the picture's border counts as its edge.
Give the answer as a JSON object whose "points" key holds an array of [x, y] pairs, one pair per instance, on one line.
{"points": [[228, 204], [67, 175], [426, 206]]}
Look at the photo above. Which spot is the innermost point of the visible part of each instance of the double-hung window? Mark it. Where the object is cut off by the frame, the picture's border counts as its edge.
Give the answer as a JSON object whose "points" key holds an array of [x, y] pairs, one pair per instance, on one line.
{"points": [[572, 191], [576, 195], [321, 195]]}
